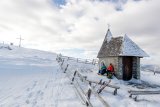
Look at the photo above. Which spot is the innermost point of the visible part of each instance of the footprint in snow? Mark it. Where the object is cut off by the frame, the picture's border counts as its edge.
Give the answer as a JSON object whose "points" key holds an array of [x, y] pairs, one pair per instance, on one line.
{"points": [[28, 89], [27, 102], [46, 86], [30, 95], [34, 103]]}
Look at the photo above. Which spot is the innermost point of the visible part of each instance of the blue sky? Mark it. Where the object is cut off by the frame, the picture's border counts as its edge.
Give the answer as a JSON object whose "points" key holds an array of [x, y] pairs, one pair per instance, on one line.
{"points": [[59, 2], [78, 27], [118, 3]]}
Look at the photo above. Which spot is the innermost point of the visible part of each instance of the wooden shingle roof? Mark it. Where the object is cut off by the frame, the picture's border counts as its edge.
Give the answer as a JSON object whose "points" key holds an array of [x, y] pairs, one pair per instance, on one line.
{"points": [[119, 46]]}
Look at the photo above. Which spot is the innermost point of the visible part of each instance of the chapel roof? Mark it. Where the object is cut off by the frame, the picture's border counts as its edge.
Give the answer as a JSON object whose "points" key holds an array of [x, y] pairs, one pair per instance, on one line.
{"points": [[119, 46]]}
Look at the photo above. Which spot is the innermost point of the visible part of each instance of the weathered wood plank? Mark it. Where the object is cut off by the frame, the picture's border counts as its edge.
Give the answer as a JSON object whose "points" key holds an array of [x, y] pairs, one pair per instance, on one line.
{"points": [[143, 92], [137, 93], [81, 92], [109, 85], [92, 89], [103, 87], [112, 86]]}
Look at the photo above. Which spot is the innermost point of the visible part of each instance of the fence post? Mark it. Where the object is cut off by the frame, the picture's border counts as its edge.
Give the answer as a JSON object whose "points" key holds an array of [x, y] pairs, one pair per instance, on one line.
{"points": [[66, 68], [85, 78], [93, 61], [115, 92], [89, 91], [62, 63], [73, 77], [154, 70]]}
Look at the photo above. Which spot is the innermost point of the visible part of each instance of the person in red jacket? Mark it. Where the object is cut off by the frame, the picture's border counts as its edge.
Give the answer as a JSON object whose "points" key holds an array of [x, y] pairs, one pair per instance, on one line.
{"points": [[110, 69]]}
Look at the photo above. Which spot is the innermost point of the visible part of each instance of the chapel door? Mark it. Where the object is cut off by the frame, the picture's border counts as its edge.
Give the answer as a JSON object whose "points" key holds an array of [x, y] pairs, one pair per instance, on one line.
{"points": [[127, 68]]}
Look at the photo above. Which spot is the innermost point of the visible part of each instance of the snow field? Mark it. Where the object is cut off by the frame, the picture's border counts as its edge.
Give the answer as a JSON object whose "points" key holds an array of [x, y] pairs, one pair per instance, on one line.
{"points": [[31, 78]]}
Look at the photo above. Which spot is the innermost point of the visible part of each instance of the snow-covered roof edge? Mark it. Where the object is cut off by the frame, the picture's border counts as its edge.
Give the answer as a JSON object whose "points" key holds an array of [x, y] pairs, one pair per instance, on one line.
{"points": [[129, 48]]}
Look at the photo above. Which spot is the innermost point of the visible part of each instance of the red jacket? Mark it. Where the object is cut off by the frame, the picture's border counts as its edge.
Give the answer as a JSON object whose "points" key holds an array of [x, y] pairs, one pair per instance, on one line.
{"points": [[110, 68]]}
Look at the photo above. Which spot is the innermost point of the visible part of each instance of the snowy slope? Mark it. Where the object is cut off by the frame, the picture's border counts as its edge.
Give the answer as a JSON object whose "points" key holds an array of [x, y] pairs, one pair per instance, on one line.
{"points": [[32, 78], [148, 82]]}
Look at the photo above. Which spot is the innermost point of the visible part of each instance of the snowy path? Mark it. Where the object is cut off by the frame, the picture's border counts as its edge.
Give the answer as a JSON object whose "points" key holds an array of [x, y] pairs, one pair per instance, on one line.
{"points": [[35, 82]]}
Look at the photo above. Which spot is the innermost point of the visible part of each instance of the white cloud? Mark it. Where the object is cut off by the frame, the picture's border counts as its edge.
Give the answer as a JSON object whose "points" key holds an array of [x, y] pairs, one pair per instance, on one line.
{"points": [[80, 24]]}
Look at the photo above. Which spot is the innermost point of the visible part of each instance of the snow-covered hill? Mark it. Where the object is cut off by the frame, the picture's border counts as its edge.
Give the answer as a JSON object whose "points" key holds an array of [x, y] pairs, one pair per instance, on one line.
{"points": [[32, 78]]}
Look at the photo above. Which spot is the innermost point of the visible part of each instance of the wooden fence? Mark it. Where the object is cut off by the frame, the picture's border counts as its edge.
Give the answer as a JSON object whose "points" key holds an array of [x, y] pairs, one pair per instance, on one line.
{"points": [[76, 77], [155, 69], [75, 80], [79, 60], [136, 93]]}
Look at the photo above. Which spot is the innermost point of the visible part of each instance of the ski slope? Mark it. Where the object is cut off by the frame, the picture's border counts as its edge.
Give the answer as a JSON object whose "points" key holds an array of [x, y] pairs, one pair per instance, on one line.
{"points": [[32, 78]]}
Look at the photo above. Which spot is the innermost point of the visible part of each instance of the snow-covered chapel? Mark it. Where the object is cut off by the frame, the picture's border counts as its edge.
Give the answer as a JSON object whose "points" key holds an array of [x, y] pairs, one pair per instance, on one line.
{"points": [[123, 53]]}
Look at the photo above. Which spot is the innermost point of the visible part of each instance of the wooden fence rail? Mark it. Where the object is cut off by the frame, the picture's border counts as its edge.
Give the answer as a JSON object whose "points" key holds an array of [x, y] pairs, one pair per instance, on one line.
{"points": [[74, 80], [151, 70], [99, 83], [81, 92], [136, 93], [108, 85], [84, 79], [79, 60]]}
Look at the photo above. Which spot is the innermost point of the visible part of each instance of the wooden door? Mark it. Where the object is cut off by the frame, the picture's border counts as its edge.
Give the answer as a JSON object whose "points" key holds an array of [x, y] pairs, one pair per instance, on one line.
{"points": [[127, 68]]}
